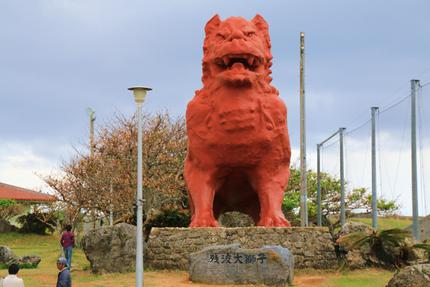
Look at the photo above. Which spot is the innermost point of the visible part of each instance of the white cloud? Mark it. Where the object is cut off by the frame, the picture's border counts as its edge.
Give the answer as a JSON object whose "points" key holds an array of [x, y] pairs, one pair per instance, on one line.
{"points": [[21, 164]]}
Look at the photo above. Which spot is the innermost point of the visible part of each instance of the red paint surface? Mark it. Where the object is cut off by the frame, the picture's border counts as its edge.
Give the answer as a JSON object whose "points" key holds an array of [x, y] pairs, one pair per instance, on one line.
{"points": [[238, 145]]}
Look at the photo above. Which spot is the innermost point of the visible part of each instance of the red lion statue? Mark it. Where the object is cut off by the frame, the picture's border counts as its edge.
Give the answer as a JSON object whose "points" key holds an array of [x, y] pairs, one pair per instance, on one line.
{"points": [[238, 145]]}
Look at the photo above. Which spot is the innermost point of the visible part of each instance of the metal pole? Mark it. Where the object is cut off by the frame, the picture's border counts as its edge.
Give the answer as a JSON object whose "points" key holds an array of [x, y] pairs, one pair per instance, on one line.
{"points": [[139, 226], [415, 225], [303, 186], [342, 179], [374, 191], [319, 221], [111, 205], [92, 119]]}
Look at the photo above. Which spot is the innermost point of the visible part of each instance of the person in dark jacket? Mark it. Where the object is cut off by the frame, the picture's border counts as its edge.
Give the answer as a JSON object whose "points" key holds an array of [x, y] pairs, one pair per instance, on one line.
{"points": [[68, 242], [64, 278]]}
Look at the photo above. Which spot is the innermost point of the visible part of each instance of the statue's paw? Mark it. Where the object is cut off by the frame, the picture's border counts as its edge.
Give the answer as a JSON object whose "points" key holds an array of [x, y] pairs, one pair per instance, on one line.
{"points": [[204, 222], [274, 221]]}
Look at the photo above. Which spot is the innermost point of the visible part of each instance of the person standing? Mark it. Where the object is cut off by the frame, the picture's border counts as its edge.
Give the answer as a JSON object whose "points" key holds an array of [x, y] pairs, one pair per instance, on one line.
{"points": [[64, 279], [12, 280], [68, 242]]}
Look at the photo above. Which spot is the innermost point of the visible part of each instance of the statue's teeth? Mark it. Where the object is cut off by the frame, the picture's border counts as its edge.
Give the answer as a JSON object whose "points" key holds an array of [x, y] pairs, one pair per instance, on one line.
{"points": [[251, 60], [225, 60]]}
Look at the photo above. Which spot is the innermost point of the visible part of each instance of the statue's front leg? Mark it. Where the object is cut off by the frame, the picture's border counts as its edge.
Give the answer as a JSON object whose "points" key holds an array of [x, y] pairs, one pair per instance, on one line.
{"points": [[270, 189], [202, 192]]}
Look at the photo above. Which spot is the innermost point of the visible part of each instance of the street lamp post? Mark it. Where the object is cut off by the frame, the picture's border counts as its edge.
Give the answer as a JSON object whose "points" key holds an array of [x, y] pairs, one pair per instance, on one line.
{"points": [[139, 96]]}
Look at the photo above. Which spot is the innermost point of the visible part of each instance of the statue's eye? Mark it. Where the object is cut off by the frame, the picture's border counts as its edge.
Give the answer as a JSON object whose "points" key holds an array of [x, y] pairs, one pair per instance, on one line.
{"points": [[250, 34], [220, 36]]}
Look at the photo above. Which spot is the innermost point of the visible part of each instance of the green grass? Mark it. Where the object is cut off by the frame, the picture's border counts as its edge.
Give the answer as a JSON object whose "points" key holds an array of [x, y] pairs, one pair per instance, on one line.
{"points": [[360, 278], [386, 223]]}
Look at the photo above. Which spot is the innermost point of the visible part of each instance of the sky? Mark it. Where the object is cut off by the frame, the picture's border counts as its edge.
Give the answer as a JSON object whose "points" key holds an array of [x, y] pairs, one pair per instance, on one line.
{"points": [[59, 57]]}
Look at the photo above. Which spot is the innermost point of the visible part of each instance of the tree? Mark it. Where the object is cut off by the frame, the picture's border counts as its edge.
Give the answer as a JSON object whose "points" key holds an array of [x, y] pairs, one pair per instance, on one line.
{"points": [[107, 180], [357, 199]]}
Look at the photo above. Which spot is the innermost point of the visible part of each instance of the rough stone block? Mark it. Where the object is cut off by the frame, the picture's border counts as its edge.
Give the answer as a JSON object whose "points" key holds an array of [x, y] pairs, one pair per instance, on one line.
{"points": [[230, 264]]}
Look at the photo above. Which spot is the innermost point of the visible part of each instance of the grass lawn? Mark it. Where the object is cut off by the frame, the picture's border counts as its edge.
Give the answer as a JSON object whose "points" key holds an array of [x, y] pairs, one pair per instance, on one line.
{"points": [[48, 248], [386, 223]]}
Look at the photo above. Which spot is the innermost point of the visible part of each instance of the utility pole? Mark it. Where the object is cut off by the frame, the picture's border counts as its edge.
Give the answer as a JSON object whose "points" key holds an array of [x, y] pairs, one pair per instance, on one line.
{"points": [[111, 204], [91, 113], [303, 186], [415, 225], [374, 191], [319, 221], [342, 178]]}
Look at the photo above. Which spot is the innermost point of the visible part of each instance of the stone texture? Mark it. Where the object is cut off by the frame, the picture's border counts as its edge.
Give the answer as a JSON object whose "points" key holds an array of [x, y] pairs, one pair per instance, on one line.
{"points": [[230, 264], [424, 224], [351, 227], [235, 219], [414, 276], [30, 259], [111, 248], [169, 248], [358, 258], [8, 257]]}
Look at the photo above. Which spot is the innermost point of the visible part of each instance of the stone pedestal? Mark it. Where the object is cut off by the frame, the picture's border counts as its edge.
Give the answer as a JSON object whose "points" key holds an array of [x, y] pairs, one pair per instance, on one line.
{"points": [[169, 248]]}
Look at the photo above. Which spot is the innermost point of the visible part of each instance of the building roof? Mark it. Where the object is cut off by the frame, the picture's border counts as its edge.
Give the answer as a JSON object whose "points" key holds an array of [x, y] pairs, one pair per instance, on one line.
{"points": [[8, 191]]}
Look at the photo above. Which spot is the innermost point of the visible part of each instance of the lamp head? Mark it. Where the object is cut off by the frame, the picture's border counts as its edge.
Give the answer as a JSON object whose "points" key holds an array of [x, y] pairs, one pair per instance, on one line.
{"points": [[139, 93]]}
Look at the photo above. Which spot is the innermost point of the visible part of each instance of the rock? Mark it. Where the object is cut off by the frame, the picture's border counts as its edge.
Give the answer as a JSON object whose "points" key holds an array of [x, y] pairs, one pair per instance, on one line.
{"points": [[354, 260], [32, 260], [351, 227], [231, 264], [235, 219], [7, 256], [357, 258], [111, 248], [416, 276]]}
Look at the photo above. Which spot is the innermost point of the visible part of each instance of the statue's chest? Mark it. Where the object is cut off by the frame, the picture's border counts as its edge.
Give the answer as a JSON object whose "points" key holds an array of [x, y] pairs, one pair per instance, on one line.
{"points": [[236, 114]]}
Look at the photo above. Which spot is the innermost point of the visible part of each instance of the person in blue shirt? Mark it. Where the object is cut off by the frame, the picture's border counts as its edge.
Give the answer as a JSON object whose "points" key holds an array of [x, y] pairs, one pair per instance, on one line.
{"points": [[64, 278]]}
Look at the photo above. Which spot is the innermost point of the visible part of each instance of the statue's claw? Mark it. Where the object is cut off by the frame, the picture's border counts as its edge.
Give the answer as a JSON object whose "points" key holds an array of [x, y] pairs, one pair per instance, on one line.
{"points": [[203, 222], [274, 221]]}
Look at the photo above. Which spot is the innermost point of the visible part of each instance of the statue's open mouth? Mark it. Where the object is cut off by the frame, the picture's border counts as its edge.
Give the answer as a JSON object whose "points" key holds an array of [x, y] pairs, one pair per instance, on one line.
{"points": [[239, 62]]}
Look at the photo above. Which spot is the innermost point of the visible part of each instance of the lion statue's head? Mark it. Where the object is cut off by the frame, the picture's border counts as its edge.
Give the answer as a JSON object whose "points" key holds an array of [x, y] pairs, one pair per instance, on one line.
{"points": [[237, 53]]}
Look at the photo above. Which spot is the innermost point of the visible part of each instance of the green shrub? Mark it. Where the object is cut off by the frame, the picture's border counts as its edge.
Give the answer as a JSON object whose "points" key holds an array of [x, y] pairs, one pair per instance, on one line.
{"points": [[26, 265], [34, 223], [170, 218], [9, 208]]}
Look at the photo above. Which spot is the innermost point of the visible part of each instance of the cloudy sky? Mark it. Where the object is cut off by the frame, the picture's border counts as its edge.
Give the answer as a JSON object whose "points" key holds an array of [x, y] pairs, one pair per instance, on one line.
{"points": [[59, 57]]}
